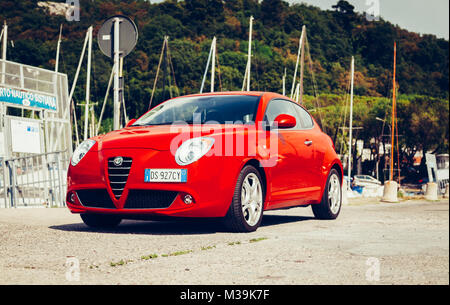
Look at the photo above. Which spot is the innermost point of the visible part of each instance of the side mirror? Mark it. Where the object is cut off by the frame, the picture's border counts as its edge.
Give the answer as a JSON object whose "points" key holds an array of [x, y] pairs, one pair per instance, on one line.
{"points": [[285, 121], [130, 122]]}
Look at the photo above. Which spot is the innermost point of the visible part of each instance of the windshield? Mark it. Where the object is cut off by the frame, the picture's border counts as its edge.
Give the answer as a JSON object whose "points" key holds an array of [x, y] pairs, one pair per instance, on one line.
{"points": [[217, 109]]}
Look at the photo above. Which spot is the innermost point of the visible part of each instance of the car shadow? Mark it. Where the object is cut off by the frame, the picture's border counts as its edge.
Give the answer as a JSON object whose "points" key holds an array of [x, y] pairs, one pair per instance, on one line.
{"points": [[175, 227]]}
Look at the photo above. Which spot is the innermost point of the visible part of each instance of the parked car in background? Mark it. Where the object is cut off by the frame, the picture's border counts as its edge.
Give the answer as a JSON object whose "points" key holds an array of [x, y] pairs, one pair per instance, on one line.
{"points": [[364, 180]]}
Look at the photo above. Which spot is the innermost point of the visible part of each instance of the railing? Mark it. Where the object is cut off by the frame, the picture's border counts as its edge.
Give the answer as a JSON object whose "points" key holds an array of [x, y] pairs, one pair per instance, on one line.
{"points": [[36, 180], [28, 78]]}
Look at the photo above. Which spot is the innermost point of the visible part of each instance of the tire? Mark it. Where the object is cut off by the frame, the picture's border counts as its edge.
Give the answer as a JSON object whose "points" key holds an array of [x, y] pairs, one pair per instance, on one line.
{"points": [[246, 210], [330, 206], [101, 221]]}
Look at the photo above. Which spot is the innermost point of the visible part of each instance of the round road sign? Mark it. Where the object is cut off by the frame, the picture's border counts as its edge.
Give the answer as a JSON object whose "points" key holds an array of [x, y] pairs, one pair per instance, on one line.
{"points": [[128, 36]]}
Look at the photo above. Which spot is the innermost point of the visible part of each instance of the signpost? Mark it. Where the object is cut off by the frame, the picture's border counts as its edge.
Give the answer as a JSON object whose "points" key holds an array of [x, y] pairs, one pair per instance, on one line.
{"points": [[117, 38]]}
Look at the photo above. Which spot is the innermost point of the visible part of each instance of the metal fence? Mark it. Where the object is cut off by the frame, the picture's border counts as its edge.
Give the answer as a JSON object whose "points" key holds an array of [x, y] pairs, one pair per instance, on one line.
{"points": [[28, 79], [36, 180]]}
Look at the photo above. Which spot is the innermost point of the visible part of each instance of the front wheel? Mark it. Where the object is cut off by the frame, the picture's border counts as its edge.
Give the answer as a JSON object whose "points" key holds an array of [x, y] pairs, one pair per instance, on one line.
{"points": [[246, 209], [100, 221], [330, 206]]}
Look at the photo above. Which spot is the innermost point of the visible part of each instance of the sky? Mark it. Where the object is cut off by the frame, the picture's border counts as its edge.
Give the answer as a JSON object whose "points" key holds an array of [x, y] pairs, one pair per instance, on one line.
{"points": [[420, 16]]}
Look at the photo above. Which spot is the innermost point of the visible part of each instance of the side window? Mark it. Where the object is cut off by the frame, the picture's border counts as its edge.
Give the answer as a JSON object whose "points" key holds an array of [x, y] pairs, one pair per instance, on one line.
{"points": [[277, 107], [305, 117]]}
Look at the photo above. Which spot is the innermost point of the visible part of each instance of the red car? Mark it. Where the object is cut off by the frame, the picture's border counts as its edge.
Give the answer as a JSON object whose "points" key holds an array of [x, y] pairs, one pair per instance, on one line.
{"points": [[231, 155]]}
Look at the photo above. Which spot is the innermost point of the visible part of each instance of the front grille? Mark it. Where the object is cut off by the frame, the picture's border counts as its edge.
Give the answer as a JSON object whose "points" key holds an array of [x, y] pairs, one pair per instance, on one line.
{"points": [[149, 199], [97, 198], [118, 175]]}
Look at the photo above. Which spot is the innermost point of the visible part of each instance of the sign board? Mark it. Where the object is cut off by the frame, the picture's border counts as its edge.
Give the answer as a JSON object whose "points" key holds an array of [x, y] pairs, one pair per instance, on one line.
{"points": [[128, 36], [27, 99], [26, 136]]}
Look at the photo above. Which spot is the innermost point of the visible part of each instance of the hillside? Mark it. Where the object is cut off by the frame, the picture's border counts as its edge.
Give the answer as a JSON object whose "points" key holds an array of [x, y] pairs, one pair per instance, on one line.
{"points": [[334, 36]]}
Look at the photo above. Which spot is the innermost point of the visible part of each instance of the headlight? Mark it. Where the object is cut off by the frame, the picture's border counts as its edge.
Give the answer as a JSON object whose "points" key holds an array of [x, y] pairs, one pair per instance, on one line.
{"points": [[192, 150], [81, 151]]}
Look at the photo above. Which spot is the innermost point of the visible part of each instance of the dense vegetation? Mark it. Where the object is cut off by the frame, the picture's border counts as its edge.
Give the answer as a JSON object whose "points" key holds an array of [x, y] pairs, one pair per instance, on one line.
{"points": [[334, 36]]}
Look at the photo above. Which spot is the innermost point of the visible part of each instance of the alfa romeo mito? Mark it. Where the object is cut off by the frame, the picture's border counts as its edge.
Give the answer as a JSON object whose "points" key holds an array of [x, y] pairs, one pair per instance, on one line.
{"points": [[229, 155]]}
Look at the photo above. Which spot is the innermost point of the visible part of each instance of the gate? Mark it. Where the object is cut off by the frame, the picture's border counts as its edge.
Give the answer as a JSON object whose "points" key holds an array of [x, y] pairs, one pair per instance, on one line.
{"points": [[36, 180]]}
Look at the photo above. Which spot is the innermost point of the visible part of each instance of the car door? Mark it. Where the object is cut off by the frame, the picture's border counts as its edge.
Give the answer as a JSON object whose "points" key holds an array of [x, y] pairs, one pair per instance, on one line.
{"points": [[311, 145], [289, 177]]}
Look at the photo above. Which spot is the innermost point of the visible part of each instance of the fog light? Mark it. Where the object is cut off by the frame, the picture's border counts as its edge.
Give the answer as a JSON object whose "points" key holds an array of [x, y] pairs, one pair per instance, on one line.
{"points": [[71, 197], [188, 199]]}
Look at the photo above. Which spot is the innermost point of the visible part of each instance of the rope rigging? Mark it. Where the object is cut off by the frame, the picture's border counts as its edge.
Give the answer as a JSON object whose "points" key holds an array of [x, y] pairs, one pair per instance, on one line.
{"points": [[316, 95], [167, 60]]}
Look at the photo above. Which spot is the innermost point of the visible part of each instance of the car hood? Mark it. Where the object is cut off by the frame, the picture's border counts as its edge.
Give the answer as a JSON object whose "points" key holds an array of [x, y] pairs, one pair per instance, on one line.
{"points": [[157, 137]]}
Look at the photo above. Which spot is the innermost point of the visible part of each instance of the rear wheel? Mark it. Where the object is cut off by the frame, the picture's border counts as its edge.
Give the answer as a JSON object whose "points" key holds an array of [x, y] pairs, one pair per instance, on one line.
{"points": [[330, 206], [100, 221], [246, 209]]}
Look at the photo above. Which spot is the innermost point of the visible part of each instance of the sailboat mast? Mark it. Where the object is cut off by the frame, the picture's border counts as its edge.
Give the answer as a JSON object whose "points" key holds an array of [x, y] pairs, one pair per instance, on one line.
{"points": [[391, 173], [302, 64], [5, 46], [213, 66], [351, 122], [88, 84], [249, 52], [58, 49], [5, 40], [299, 55]]}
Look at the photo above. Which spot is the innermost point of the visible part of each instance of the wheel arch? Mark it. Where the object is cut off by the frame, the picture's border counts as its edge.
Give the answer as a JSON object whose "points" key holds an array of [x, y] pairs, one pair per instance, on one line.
{"points": [[257, 165], [338, 167]]}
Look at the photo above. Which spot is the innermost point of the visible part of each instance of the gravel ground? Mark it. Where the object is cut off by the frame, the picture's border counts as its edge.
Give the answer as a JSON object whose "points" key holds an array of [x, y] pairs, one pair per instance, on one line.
{"points": [[370, 243]]}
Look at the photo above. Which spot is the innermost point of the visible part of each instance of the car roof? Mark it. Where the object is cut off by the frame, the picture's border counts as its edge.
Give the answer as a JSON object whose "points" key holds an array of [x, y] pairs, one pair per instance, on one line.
{"points": [[242, 93], [251, 93]]}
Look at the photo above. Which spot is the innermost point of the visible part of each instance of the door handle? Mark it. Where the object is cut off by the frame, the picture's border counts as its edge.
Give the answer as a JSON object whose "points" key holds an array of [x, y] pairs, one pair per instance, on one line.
{"points": [[308, 143]]}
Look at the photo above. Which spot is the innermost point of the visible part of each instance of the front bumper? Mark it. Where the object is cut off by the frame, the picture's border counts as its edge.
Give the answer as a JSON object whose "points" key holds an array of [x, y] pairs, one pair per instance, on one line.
{"points": [[210, 182]]}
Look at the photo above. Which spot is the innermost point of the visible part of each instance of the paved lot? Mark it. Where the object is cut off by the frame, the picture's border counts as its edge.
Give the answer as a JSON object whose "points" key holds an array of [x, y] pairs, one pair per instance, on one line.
{"points": [[406, 243]]}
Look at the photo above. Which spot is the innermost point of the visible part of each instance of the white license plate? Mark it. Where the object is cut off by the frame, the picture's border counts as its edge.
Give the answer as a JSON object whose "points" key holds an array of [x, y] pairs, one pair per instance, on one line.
{"points": [[165, 175]]}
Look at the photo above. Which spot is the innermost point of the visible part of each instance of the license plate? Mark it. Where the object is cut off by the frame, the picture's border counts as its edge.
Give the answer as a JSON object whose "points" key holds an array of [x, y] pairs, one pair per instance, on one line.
{"points": [[165, 175]]}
